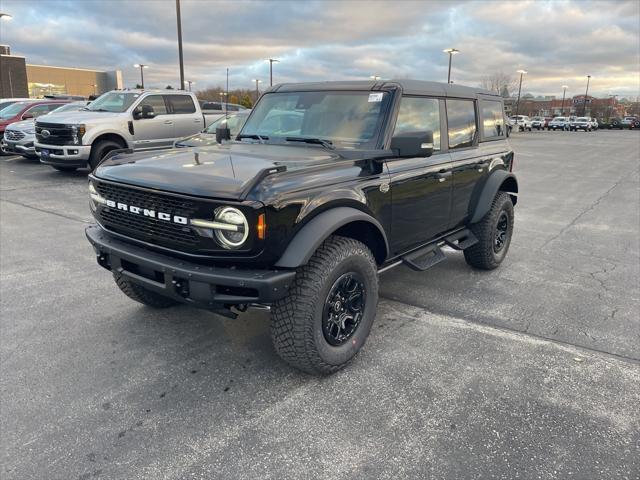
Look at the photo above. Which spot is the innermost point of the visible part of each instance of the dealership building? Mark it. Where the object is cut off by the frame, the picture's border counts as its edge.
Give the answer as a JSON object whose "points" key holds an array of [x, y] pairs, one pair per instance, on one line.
{"points": [[21, 79]]}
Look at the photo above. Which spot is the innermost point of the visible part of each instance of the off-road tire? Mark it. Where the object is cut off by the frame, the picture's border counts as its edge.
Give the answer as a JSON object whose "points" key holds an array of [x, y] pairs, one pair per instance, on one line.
{"points": [[296, 320], [141, 294], [100, 150], [65, 169], [482, 255]]}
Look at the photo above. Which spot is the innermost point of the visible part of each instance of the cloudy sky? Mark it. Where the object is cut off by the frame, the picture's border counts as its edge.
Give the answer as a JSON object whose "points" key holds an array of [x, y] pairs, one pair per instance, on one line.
{"points": [[557, 42]]}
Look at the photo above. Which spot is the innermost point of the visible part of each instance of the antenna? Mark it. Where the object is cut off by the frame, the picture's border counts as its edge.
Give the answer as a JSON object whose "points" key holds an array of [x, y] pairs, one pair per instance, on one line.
{"points": [[226, 102]]}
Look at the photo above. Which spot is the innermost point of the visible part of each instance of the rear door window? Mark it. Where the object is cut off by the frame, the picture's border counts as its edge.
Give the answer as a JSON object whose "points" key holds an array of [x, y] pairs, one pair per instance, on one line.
{"points": [[461, 119], [493, 119], [181, 104]]}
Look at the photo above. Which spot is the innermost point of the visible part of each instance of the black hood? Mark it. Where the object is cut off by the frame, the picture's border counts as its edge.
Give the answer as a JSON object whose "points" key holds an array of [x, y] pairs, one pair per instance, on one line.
{"points": [[225, 171]]}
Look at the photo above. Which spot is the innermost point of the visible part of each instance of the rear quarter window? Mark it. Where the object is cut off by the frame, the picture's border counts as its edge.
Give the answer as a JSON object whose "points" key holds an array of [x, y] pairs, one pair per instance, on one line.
{"points": [[492, 115]]}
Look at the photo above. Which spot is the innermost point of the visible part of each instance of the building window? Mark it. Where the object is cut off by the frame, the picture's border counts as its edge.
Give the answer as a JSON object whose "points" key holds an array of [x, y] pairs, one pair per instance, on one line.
{"points": [[38, 90]]}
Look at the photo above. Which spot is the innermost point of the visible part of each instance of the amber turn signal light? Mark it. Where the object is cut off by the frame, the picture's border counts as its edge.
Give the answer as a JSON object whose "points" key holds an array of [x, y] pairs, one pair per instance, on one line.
{"points": [[262, 227]]}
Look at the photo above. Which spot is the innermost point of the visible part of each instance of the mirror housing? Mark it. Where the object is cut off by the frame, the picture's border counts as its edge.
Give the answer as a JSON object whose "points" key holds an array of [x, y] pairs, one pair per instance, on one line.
{"points": [[413, 144], [27, 116], [143, 111], [223, 133]]}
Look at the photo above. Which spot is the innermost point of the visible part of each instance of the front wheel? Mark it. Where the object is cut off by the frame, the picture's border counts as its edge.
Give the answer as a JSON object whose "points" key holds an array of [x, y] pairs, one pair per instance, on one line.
{"points": [[326, 318], [494, 233], [101, 150], [141, 294]]}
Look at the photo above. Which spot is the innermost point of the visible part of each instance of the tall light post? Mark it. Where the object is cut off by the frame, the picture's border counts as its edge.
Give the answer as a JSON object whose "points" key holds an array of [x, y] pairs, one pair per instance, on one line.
{"points": [[257, 89], [141, 66], [374, 77], [451, 52], [190, 82], [584, 108], [564, 92], [180, 59], [271, 62], [611, 105], [94, 88], [521, 72]]}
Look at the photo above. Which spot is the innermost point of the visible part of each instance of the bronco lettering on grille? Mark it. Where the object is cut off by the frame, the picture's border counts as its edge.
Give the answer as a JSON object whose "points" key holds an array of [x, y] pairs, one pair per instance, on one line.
{"points": [[167, 217]]}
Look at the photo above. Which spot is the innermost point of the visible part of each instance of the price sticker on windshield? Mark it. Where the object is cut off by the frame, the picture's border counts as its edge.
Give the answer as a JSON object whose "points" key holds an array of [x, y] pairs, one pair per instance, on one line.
{"points": [[375, 97]]}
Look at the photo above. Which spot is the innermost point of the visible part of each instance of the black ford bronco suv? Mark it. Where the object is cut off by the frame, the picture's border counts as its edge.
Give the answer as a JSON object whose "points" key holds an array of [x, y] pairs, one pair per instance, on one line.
{"points": [[327, 185]]}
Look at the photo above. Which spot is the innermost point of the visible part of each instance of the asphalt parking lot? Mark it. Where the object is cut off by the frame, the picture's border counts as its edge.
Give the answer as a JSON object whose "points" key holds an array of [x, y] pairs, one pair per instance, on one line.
{"points": [[529, 371]]}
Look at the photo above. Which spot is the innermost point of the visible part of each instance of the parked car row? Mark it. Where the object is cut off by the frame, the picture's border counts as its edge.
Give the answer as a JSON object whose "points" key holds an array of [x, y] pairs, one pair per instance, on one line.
{"points": [[70, 135], [523, 122]]}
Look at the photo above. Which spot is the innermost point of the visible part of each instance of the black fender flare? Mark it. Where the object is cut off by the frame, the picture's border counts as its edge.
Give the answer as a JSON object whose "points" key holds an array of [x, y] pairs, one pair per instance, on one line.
{"points": [[496, 180], [316, 231]]}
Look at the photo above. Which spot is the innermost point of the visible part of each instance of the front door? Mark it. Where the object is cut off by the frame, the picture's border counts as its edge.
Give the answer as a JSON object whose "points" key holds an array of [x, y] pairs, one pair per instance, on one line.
{"points": [[156, 132], [186, 119], [420, 187]]}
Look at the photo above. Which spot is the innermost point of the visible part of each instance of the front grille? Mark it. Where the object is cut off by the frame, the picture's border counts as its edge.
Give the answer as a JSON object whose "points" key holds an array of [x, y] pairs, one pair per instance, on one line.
{"points": [[146, 228], [58, 134], [13, 135]]}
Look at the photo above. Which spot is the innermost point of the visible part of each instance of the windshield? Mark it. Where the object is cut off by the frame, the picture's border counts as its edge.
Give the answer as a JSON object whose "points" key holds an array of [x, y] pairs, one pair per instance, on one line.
{"points": [[234, 122], [347, 119], [13, 110], [558, 119], [70, 107], [116, 102], [582, 119]]}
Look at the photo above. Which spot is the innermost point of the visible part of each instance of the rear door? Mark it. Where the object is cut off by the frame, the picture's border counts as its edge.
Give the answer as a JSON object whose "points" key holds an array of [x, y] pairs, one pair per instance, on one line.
{"points": [[421, 186], [186, 118], [156, 132], [475, 141]]}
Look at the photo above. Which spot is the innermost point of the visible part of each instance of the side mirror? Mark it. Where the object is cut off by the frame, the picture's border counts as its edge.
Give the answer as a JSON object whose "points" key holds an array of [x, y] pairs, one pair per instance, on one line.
{"points": [[413, 144], [223, 133], [143, 111], [27, 116]]}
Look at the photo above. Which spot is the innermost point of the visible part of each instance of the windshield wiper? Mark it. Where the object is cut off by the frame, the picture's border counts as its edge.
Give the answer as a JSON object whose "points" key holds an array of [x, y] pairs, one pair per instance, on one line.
{"points": [[318, 141], [255, 136]]}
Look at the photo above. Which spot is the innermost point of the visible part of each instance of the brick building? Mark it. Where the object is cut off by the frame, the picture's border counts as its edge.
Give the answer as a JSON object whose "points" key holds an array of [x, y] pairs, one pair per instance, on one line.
{"points": [[592, 107]]}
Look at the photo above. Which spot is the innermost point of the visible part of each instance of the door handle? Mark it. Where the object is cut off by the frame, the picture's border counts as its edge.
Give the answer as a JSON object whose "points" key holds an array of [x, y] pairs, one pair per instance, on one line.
{"points": [[442, 175], [168, 122], [197, 120]]}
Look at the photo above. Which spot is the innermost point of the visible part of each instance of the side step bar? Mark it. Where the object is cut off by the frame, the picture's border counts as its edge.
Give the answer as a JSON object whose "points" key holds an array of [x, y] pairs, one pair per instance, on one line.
{"points": [[430, 255]]}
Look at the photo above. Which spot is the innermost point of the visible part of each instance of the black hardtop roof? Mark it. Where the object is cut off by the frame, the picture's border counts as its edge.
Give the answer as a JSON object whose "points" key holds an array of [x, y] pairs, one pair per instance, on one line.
{"points": [[409, 87]]}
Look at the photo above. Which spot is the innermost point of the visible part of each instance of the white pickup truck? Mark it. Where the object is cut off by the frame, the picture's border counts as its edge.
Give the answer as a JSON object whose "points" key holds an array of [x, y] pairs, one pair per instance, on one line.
{"points": [[120, 119]]}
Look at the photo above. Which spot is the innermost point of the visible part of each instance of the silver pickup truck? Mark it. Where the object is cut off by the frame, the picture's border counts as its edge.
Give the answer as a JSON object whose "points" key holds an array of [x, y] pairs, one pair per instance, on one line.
{"points": [[120, 119]]}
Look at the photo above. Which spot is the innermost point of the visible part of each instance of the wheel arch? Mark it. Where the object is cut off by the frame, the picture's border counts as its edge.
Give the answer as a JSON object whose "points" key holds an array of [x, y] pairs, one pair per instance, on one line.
{"points": [[345, 221], [113, 137], [500, 180]]}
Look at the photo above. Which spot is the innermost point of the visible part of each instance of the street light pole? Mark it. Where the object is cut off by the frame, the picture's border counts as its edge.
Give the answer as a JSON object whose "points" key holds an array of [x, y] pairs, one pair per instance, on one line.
{"points": [[451, 52], [271, 62], [564, 91], [584, 108], [521, 72], [180, 59], [141, 66], [257, 89]]}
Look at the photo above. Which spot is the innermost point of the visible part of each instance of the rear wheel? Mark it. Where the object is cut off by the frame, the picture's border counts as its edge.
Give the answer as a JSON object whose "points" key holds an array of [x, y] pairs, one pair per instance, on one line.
{"points": [[326, 318], [494, 233], [143, 295]]}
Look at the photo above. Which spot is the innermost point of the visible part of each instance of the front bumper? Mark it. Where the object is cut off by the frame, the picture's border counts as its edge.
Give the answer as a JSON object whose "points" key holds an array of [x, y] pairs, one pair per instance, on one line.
{"points": [[20, 147], [63, 155], [203, 286]]}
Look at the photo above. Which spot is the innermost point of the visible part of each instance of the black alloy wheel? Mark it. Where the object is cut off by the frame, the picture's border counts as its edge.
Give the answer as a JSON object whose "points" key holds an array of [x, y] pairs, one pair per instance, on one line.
{"points": [[501, 232], [343, 308]]}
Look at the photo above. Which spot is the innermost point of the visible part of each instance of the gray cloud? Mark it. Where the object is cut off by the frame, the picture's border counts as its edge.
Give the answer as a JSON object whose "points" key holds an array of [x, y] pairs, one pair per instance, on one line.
{"points": [[557, 42]]}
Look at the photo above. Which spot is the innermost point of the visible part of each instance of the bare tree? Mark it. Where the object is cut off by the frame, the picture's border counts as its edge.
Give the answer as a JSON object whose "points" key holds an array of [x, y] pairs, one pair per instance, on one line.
{"points": [[501, 83]]}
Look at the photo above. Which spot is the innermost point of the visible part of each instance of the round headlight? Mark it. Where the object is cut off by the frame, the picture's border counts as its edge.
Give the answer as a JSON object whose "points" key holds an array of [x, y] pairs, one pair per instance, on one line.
{"points": [[236, 237]]}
